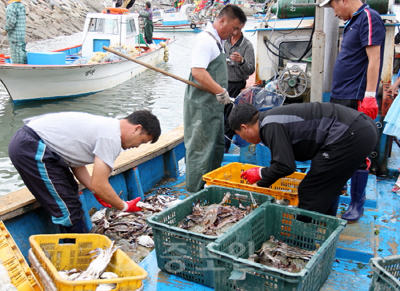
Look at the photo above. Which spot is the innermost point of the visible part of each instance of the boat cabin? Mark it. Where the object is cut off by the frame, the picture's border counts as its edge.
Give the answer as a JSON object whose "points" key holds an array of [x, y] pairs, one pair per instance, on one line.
{"points": [[284, 54], [105, 29]]}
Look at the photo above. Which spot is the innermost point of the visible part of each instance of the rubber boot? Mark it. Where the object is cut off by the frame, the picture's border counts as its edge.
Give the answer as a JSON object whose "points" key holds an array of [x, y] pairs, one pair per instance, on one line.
{"points": [[332, 211], [357, 193]]}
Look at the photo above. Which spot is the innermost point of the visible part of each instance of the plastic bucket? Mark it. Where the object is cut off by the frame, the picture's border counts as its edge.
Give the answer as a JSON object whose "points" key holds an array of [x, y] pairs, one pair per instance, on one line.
{"points": [[2, 59], [240, 142]]}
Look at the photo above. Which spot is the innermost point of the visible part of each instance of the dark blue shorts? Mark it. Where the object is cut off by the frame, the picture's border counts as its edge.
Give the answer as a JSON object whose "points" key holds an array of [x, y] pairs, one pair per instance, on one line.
{"points": [[47, 176]]}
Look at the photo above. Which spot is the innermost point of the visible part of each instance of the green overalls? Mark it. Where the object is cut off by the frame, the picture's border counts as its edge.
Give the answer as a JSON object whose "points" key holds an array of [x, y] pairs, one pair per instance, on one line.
{"points": [[148, 26], [203, 120]]}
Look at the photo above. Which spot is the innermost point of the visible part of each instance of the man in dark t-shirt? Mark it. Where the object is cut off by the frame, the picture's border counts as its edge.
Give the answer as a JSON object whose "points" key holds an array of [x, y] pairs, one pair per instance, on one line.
{"points": [[356, 75]]}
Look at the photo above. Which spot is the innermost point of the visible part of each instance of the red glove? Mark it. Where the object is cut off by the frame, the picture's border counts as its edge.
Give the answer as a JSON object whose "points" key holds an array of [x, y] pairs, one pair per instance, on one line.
{"points": [[101, 201], [369, 105], [130, 206], [252, 175]]}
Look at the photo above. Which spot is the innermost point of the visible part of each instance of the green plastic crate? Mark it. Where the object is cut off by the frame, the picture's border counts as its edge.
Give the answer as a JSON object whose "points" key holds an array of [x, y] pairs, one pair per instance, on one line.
{"points": [[386, 273], [183, 252], [232, 270]]}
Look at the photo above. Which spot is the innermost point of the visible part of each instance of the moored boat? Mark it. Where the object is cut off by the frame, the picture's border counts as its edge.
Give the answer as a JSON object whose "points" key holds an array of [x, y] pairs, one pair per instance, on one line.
{"points": [[178, 21], [86, 68]]}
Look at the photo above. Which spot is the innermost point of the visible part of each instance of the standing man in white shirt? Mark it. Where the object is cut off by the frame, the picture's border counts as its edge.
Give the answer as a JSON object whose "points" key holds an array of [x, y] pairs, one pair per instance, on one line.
{"points": [[203, 112]]}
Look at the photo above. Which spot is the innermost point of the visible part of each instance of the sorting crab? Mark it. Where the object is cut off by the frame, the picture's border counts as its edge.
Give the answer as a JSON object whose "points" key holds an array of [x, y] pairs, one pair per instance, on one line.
{"points": [[277, 254], [130, 230], [214, 219]]}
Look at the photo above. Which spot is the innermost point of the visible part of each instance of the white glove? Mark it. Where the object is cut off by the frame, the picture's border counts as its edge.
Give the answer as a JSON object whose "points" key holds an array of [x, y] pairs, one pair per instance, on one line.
{"points": [[223, 97]]}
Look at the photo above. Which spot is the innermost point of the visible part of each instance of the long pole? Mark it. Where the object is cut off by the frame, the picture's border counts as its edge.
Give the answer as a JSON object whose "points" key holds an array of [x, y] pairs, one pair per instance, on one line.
{"points": [[318, 52], [157, 69]]}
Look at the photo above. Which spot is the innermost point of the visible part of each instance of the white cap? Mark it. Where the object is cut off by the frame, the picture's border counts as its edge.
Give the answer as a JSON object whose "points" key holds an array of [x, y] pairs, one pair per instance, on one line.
{"points": [[325, 3]]}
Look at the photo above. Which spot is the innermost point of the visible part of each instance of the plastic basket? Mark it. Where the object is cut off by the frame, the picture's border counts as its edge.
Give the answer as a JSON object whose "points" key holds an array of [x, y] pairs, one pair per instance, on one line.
{"points": [[386, 273], [229, 176], [232, 270], [66, 256], [261, 98], [183, 252], [21, 275]]}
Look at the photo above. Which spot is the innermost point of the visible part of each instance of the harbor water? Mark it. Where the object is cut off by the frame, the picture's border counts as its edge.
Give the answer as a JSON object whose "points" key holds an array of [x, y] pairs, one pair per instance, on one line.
{"points": [[160, 94]]}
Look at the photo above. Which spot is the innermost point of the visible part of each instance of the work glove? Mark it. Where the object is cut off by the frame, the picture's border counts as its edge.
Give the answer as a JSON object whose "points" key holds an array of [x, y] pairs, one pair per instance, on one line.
{"points": [[252, 175], [223, 97], [101, 201], [130, 206], [369, 105]]}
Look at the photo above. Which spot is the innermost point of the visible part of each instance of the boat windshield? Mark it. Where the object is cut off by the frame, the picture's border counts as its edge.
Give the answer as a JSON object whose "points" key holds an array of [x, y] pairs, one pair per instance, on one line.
{"points": [[102, 25], [293, 50], [130, 27]]}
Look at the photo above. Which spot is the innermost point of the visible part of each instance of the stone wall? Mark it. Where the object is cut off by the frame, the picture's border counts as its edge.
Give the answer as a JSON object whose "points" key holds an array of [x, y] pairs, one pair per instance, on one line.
{"points": [[51, 18]]}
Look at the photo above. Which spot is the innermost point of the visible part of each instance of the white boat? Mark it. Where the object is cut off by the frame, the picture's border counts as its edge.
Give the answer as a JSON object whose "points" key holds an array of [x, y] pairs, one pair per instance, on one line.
{"points": [[173, 21], [86, 68]]}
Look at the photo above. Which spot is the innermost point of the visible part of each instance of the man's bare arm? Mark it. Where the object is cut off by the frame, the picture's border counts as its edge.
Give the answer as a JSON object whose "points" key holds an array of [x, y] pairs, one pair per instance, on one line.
{"points": [[374, 58]]}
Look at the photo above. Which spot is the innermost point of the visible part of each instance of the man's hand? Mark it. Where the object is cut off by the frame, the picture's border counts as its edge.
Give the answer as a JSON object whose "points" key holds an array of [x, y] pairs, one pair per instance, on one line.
{"points": [[101, 201], [369, 105], [236, 57], [393, 90], [4, 32], [252, 175], [223, 97], [130, 206]]}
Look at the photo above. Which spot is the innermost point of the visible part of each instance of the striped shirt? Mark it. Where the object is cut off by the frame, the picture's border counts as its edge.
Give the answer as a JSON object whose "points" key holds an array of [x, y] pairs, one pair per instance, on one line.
{"points": [[350, 71], [15, 22]]}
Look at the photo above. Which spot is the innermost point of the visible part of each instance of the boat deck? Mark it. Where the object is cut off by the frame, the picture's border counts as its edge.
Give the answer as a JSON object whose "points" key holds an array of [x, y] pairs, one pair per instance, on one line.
{"points": [[374, 235]]}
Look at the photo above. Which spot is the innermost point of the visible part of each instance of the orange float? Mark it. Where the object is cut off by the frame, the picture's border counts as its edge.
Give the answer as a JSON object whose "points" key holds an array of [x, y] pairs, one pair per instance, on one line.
{"points": [[112, 10]]}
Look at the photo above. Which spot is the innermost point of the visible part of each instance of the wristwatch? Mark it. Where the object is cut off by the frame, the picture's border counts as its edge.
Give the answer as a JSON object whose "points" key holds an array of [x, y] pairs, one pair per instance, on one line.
{"points": [[242, 62]]}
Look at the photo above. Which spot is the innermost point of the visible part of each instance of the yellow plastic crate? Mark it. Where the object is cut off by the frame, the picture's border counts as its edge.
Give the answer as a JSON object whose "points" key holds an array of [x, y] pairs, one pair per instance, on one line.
{"points": [[21, 275], [68, 256], [229, 176]]}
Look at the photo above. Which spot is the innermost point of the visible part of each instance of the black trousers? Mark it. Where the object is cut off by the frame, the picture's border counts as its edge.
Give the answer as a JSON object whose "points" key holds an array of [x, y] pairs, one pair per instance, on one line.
{"points": [[47, 176], [351, 103], [334, 164], [234, 89]]}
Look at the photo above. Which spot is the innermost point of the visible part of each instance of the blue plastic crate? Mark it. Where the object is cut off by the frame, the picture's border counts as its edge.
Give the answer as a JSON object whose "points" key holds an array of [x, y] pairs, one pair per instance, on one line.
{"points": [[46, 58]]}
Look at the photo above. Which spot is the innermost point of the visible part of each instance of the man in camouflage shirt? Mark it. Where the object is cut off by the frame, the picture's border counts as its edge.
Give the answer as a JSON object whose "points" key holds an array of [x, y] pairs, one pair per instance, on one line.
{"points": [[15, 29]]}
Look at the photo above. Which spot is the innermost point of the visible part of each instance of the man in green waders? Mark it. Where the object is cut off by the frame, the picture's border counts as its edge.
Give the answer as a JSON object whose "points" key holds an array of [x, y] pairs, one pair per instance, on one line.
{"points": [[203, 113], [147, 16]]}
